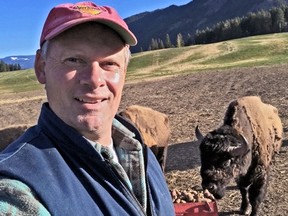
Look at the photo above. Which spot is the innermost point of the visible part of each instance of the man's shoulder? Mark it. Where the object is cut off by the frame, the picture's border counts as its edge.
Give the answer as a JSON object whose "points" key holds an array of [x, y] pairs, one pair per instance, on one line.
{"points": [[16, 198]]}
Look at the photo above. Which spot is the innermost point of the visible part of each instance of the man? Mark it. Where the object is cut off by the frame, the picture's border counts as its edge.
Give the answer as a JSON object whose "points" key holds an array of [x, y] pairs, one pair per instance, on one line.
{"points": [[81, 158]]}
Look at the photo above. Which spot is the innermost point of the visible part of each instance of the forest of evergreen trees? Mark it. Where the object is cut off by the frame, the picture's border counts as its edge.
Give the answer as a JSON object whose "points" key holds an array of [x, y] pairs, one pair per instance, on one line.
{"points": [[270, 21], [9, 67], [261, 22]]}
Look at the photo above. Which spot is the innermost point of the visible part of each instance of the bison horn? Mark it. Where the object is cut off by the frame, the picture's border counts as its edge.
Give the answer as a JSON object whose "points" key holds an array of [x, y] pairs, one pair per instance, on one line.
{"points": [[241, 149], [198, 134]]}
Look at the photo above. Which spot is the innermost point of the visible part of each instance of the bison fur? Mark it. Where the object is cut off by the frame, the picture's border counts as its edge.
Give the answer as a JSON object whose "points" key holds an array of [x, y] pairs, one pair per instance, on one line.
{"points": [[241, 149], [154, 127]]}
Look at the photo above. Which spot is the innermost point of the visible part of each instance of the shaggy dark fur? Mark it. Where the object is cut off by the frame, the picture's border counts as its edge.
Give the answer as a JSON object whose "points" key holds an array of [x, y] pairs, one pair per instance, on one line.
{"points": [[242, 149]]}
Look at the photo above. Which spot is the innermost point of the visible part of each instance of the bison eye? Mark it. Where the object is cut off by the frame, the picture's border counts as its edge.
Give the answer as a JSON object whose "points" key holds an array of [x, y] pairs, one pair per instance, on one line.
{"points": [[226, 163]]}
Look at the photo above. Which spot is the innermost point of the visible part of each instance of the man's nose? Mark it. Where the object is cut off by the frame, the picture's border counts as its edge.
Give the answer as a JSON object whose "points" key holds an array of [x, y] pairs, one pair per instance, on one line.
{"points": [[93, 76]]}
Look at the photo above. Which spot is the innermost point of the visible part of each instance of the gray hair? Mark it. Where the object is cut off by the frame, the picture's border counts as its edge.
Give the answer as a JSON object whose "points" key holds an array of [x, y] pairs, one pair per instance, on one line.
{"points": [[44, 49]]}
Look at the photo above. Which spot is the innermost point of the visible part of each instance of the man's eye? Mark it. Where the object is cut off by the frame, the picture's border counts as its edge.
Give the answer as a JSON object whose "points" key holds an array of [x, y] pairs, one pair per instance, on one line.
{"points": [[74, 61], [109, 66]]}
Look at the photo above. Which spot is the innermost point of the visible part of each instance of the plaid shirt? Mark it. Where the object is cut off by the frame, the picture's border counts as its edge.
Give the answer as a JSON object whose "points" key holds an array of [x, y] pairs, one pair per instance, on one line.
{"points": [[17, 199]]}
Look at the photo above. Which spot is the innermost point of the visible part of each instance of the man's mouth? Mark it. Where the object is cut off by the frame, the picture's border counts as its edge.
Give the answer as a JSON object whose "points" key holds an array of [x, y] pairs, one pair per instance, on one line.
{"points": [[89, 101]]}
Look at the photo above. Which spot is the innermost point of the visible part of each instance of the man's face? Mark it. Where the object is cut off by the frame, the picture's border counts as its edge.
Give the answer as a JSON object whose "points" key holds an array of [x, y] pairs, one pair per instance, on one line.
{"points": [[84, 73]]}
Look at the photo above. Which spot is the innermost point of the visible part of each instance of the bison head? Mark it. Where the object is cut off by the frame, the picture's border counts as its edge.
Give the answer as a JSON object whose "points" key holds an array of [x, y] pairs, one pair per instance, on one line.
{"points": [[221, 154]]}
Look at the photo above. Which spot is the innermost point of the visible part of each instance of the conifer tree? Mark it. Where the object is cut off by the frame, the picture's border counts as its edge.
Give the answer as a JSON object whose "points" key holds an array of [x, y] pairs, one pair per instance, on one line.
{"points": [[168, 43], [179, 40]]}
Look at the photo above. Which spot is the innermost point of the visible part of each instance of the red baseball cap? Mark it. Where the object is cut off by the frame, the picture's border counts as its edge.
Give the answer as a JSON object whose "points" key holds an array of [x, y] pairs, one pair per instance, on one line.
{"points": [[65, 16]]}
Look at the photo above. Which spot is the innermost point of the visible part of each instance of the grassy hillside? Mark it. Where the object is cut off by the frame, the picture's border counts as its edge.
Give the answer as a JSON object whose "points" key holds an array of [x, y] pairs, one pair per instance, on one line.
{"points": [[18, 81], [246, 52]]}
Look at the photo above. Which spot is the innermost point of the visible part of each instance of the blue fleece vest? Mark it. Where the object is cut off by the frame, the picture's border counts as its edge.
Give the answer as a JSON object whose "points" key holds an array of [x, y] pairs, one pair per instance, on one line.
{"points": [[71, 178]]}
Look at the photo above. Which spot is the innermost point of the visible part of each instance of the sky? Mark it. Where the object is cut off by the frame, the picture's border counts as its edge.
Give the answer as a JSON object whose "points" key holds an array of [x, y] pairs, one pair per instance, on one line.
{"points": [[21, 21]]}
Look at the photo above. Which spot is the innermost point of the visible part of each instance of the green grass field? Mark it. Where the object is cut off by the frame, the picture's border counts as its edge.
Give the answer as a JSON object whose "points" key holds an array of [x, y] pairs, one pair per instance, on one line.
{"points": [[261, 50]]}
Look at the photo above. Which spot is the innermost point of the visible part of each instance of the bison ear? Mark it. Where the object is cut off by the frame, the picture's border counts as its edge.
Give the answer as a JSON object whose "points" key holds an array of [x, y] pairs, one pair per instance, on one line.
{"points": [[198, 134], [241, 149]]}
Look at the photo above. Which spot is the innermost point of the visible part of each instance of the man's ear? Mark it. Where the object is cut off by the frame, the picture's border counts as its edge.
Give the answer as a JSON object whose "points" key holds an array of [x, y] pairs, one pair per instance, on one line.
{"points": [[39, 67]]}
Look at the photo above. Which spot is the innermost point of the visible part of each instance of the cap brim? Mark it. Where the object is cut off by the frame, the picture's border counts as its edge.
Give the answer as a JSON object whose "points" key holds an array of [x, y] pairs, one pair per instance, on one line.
{"points": [[126, 34]]}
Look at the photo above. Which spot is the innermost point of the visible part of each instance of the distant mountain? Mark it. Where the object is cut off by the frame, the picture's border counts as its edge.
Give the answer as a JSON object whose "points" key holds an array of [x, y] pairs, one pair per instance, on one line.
{"points": [[25, 61], [186, 19]]}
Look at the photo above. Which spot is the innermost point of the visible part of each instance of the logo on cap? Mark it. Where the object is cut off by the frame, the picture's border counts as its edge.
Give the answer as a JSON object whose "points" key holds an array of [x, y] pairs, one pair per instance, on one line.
{"points": [[84, 9]]}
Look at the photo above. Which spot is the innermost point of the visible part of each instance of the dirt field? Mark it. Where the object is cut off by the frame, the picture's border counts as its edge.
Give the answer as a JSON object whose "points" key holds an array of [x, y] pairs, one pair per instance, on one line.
{"points": [[190, 100]]}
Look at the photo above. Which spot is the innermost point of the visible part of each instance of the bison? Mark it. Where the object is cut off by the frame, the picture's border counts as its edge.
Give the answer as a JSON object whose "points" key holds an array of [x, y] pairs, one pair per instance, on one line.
{"points": [[241, 149], [9, 134], [154, 127]]}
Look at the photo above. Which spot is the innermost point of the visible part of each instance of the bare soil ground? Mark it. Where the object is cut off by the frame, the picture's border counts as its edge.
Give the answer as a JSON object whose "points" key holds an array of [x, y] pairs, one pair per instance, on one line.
{"points": [[190, 100]]}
